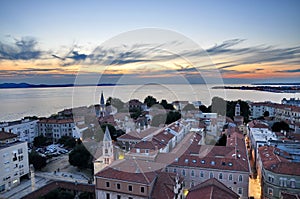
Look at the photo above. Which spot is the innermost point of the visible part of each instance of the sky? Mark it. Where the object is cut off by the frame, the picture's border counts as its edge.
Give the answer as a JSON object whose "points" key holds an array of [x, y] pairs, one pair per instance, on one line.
{"points": [[58, 42]]}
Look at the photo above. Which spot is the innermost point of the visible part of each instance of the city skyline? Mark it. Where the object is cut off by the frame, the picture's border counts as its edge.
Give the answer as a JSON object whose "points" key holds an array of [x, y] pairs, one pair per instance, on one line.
{"points": [[49, 42]]}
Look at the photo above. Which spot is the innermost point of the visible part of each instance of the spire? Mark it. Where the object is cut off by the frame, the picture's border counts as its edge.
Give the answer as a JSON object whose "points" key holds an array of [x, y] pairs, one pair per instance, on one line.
{"points": [[107, 137], [102, 99]]}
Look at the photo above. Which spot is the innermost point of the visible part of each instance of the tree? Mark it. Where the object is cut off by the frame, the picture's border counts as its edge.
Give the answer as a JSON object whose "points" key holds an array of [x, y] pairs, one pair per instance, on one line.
{"points": [[58, 193], [37, 160], [135, 113], [112, 130], [173, 116], [168, 118], [166, 105], [40, 141], [116, 102], [189, 107], [222, 140], [218, 105], [67, 141], [278, 126], [158, 119], [150, 101], [80, 157], [204, 109]]}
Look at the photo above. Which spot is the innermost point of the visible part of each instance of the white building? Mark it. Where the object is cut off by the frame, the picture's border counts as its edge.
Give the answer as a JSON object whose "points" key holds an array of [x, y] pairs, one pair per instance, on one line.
{"points": [[25, 129], [13, 160], [259, 135], [56, 128]]}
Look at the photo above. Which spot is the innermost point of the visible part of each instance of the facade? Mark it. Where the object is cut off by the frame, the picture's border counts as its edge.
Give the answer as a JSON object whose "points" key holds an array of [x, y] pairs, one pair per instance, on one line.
{"points": [[13, 160], [25, 129], [291, 101], [137, 181], [283, 112], [259, 135], [56, 128], [277, 173], [229, 164]]}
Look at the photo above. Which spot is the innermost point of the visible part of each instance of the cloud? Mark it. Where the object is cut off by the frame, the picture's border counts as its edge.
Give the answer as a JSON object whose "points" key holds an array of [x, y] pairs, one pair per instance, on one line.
{"points": [[224, 47], [290, 71], [21, 49]]}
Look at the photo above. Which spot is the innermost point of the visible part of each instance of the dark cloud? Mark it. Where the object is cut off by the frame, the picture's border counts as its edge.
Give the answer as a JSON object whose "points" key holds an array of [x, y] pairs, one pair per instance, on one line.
{"points": [[290, 71], [22, 49]]}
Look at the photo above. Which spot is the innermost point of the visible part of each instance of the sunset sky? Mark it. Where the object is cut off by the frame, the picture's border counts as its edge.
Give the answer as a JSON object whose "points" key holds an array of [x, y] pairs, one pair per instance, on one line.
{"points": [[51, 41]]}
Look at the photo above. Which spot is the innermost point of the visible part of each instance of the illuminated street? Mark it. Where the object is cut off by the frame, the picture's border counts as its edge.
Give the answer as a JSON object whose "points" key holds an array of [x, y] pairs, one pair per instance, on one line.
{"points": [[254, 188]]}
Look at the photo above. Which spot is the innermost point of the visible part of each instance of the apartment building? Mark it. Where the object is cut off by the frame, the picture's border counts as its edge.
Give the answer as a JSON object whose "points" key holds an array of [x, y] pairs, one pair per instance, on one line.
{"points": [[25, 129], [138, 180], [229, 164], [13, 160], [277, 172], [279, 111], [56, 128]]}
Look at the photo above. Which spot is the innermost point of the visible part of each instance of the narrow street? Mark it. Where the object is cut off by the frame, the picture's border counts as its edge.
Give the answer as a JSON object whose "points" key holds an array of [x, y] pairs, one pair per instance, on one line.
{"points": [[254, 188]]}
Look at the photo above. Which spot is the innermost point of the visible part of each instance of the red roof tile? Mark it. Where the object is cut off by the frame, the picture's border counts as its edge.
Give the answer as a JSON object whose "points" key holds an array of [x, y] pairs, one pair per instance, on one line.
{"points": [[211, 188], [5, 135]]}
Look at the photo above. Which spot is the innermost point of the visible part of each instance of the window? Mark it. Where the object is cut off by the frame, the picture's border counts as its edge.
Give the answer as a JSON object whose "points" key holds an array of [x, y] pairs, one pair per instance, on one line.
{"points": [[118, 196], [118, 186], [230, 177], [240, 178], [130, 198], [271, 179], [220, 176], [20, 151], [183, 172], [240, 190], [270, 191], [192, 184], [211, 175], [201, 174], [293, 183], [174, 170], [142, 189], [107, 184], [129, 187], [107, 196], [192, 173]]}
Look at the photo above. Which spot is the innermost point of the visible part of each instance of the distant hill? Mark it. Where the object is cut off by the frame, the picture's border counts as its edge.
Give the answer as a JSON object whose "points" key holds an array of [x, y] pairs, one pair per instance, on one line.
{"points": [[26, 85]]}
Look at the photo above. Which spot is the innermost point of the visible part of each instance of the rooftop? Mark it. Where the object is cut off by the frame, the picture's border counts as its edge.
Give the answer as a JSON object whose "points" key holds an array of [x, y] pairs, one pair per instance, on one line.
{"points": [[5, 135], [211, 188], [276, 163]]}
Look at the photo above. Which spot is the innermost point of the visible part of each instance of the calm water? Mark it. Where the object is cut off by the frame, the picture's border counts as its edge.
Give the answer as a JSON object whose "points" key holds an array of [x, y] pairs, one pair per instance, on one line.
{"points": [[17, 103]]}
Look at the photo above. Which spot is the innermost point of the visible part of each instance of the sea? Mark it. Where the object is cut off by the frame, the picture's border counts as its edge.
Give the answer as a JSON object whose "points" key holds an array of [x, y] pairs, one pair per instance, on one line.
{"points": [[18, 103]]}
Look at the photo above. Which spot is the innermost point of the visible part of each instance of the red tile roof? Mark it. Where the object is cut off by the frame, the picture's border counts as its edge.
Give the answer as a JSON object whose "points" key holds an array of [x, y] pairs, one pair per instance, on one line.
{"points": [[131, 171], [5, 135], [277, 164], [230, 157], [211, 188], [60, 184], [164, 186]]}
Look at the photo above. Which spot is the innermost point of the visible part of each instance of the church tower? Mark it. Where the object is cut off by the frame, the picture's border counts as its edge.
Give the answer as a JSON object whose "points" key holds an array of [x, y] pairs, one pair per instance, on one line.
{"points": [[102, 105], [107, 156], [108, 153], [237, 110]]}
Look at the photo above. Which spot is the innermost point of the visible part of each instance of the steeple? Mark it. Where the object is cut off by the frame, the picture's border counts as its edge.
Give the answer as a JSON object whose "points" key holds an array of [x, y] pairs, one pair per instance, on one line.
{"points": [[237, 110], [102, 103], [107, 137]]}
